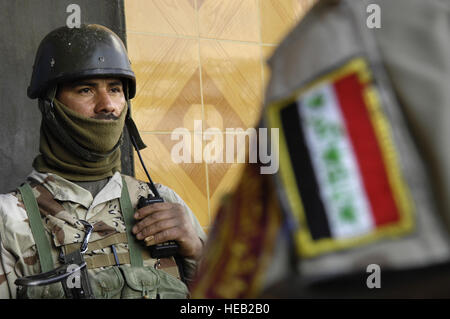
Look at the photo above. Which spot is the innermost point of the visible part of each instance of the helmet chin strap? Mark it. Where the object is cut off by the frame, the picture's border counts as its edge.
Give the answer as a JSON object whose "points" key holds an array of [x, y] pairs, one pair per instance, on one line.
{"points": [[136, 139], [58, 131]]}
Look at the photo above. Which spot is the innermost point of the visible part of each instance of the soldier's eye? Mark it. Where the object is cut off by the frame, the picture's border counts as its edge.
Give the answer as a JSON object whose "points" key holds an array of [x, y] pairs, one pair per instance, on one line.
{"points": [[84, 90]]}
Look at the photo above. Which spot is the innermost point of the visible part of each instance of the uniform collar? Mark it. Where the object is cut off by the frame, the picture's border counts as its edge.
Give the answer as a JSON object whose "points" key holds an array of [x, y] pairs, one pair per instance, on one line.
{"points": [[64, 190]]}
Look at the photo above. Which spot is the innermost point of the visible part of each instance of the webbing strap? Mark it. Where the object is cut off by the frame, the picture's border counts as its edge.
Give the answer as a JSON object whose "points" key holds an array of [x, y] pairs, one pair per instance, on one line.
{"points": [[98, 244], [104, 260], [127, 213], [167, 265], [37, 228], [43, 244]]}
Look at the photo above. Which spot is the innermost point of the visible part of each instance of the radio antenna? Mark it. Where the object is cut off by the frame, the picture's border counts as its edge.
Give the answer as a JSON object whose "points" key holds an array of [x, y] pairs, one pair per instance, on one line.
{"points": [[151, 185]]}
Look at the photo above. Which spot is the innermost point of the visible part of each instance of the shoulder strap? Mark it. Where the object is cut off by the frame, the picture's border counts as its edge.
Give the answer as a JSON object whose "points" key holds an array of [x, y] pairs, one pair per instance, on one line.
{"points": [[37, 228], [127, 212]]}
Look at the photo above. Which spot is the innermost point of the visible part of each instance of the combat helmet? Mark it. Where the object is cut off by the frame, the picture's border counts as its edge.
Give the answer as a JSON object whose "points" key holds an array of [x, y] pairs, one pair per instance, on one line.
{"points": [[67, 54]]}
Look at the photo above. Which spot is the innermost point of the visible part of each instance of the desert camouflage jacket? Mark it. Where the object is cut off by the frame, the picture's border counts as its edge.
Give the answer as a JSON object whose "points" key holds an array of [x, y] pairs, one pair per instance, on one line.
{"points": [[62, 204]]}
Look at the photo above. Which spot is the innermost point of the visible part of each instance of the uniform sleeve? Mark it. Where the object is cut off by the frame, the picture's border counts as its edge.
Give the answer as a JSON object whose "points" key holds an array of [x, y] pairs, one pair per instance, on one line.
{"points": [[7, 274], [15, 238], [169, 195], [7, 262]]}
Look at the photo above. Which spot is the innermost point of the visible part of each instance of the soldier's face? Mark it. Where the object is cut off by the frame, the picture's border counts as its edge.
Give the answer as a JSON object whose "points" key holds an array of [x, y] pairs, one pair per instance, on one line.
{"points": [[99, 98]]}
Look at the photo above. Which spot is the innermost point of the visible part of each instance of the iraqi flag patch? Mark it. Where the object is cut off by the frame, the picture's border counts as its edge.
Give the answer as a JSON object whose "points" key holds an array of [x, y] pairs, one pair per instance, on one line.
{"points": [[338, 164]]}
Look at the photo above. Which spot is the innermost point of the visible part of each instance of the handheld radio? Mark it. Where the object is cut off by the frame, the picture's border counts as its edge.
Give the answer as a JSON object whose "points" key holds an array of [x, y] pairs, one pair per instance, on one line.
{"points": [[168, 248]]}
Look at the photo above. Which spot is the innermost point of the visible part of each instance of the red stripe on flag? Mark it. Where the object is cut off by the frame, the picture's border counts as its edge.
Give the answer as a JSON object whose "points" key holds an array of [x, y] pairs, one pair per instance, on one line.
{"points": [[368, 153]]}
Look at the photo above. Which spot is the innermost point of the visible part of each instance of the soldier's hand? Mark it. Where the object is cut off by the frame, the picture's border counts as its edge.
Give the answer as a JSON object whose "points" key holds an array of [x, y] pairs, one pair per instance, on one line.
{"points": [[160, 222]]}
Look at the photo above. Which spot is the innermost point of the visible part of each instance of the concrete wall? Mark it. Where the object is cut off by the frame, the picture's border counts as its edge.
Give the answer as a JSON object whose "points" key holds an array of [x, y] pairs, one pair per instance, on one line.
{"points": [[23, 23]]}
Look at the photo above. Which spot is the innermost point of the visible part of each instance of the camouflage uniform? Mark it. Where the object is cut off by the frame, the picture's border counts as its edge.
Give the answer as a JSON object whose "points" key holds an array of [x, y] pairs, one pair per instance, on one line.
{"points": [[62, 204]]}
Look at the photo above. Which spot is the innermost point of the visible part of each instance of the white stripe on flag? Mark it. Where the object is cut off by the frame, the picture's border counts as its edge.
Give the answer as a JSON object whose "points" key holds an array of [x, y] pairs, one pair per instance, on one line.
{"points": [[336, 168]]}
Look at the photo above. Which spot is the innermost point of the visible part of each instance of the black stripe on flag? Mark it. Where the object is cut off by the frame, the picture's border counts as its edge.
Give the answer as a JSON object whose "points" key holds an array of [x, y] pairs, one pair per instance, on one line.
{"points": [[304, 173]]}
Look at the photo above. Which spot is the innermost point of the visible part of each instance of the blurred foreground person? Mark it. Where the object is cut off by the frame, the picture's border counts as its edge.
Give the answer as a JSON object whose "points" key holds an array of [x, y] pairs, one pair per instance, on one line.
{"points": [[360, 207]]}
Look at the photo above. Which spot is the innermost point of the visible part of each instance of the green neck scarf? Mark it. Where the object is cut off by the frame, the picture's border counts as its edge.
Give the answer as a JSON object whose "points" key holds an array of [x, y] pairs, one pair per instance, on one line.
{"points": [[99, 136]]}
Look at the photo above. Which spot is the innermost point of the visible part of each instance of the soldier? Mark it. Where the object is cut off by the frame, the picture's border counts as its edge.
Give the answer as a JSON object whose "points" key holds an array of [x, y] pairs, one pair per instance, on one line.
{"points": [[76, 209], [359, 93]]}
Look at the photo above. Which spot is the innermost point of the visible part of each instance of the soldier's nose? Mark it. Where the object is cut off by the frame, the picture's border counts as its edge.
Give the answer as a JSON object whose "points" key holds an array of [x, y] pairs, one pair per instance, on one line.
{"points": [[104, 104]]}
